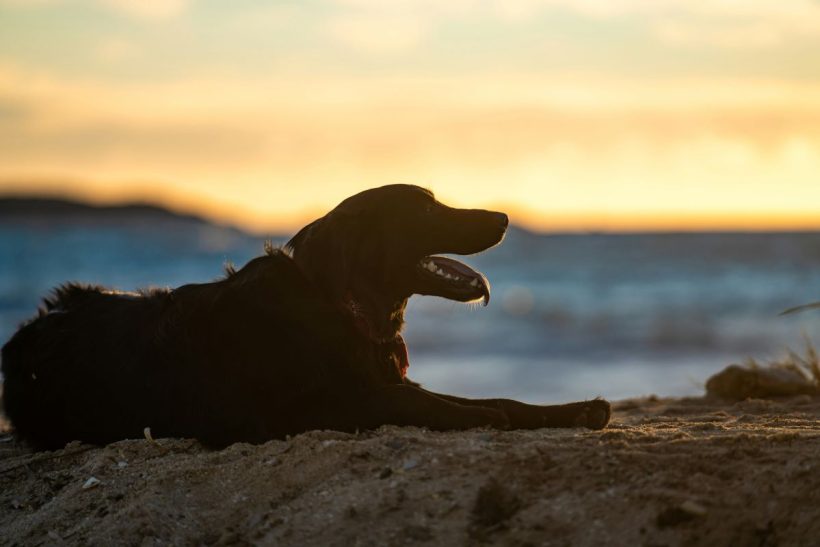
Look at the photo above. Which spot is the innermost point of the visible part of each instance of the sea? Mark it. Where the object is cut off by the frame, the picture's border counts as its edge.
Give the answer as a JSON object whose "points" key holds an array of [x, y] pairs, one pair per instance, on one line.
{"points": [[572, 316]]}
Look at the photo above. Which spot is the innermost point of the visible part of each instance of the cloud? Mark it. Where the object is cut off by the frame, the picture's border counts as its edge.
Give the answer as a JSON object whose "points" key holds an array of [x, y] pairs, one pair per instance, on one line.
{"points": [[141, 9], [28, 3], [714, 23], [116, 50], [377, 33], [793, 11], [494, 108], [742, 36], [148, 9], [717, 23]]}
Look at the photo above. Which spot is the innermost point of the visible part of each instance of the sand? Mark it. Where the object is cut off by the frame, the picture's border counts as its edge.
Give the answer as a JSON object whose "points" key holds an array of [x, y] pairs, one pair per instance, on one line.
{"points": [[666, 472]]}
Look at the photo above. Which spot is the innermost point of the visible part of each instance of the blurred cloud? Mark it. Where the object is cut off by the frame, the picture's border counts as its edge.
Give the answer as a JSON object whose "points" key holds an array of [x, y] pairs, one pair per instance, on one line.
{"points": [[795, 12], [117, 50], [29, 3], [718, 23], [149, 9], [380, 33], [755, 35], [143, 9]]}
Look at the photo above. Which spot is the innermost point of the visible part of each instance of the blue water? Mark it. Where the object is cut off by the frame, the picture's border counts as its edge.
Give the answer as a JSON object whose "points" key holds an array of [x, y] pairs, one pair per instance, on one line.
{"points": [[571, 316]]}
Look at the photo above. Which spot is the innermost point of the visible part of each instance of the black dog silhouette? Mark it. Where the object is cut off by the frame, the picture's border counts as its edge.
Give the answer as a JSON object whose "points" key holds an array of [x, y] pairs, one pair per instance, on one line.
{"points": [[305, 337]]}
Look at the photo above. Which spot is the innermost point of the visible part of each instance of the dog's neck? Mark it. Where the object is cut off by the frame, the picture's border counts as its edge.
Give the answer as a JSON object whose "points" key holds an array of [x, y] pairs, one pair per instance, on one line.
{"points": [[381, 321], [381, 326]]}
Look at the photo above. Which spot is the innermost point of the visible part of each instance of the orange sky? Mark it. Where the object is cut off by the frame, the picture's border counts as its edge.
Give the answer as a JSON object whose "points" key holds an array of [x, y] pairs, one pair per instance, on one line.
{"points": [[570, 114]]}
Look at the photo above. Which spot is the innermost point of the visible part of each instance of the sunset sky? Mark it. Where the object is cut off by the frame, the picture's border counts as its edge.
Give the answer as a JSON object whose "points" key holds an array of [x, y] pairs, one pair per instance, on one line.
{"points": [[570, 114]]}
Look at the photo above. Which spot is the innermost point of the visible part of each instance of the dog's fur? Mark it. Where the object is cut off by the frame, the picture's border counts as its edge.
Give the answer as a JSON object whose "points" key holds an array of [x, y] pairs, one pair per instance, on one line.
{"points": [[305, 337]]}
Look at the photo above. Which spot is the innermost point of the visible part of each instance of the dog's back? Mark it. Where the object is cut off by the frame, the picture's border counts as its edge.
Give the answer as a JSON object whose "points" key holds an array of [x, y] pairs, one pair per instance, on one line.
{"points": [[255, 356], [75, 371]]}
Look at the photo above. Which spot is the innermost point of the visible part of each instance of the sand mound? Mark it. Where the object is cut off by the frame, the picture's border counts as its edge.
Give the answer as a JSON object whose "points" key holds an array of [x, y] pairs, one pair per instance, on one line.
{"points": [[667, 472]]}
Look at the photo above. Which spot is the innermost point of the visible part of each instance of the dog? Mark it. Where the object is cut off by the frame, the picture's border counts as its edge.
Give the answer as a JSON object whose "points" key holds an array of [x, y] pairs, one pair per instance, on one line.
{"points": [[305, 337]]}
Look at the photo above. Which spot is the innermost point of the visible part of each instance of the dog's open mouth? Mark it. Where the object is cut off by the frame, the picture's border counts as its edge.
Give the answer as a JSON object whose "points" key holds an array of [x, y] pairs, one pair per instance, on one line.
{"points": [[452, 279]]}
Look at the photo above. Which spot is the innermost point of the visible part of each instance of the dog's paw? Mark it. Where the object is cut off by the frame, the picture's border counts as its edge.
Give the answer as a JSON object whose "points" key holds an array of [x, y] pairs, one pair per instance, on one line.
{"points": [[594, 414]]}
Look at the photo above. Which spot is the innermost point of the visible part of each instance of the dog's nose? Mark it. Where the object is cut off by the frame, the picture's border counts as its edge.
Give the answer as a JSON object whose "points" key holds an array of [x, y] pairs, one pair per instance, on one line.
{"points": [[503, 219]]}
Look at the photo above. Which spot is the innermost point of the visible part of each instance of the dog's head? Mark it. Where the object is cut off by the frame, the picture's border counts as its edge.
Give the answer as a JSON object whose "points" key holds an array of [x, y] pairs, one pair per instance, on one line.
{"points": [[378, 247]]}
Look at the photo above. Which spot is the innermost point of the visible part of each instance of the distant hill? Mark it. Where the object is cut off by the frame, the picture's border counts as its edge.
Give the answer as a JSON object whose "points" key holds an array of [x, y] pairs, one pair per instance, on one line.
{"points": [[57, 211], [28, 208]]}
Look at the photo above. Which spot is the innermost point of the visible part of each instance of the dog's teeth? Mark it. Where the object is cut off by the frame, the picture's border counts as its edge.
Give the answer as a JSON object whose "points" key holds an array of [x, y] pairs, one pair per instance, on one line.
{"points": [[440, 272], [448, 276], [431, 266], [474, 283]]}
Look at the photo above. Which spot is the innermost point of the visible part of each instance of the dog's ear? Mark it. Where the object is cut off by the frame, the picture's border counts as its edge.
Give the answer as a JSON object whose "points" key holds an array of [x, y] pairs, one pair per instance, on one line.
{"points": [[327, 248]]}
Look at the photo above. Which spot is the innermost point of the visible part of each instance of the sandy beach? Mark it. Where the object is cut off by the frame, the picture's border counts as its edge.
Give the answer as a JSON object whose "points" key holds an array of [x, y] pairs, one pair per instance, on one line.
{"points": [[666, 472]]}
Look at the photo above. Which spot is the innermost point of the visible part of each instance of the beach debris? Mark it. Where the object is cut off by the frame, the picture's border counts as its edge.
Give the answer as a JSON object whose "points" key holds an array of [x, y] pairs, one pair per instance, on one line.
{"points": [[148, 437], [92, 482], [737, 382], [693, 508]]}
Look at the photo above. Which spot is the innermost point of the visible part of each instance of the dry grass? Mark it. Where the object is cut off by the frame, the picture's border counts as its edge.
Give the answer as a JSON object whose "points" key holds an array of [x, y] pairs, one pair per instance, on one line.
{"points": [[801, 308], [807, 365]]}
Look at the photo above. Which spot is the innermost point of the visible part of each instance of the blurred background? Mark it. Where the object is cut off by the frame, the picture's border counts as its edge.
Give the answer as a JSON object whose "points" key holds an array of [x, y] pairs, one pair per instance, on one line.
{"points": [[658, 160]]}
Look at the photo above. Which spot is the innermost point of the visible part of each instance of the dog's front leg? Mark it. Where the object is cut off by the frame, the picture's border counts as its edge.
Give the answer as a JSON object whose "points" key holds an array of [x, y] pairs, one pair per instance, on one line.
{"points": [[409, 405], [592, 414]]}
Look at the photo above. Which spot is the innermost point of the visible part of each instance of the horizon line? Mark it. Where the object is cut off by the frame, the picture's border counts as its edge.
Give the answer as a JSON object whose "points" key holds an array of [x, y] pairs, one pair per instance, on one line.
{"points": [[557, 223]]}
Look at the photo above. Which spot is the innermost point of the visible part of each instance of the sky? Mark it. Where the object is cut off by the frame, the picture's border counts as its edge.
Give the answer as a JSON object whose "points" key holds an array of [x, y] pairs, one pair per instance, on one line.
{"points": [[568, 114]]}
